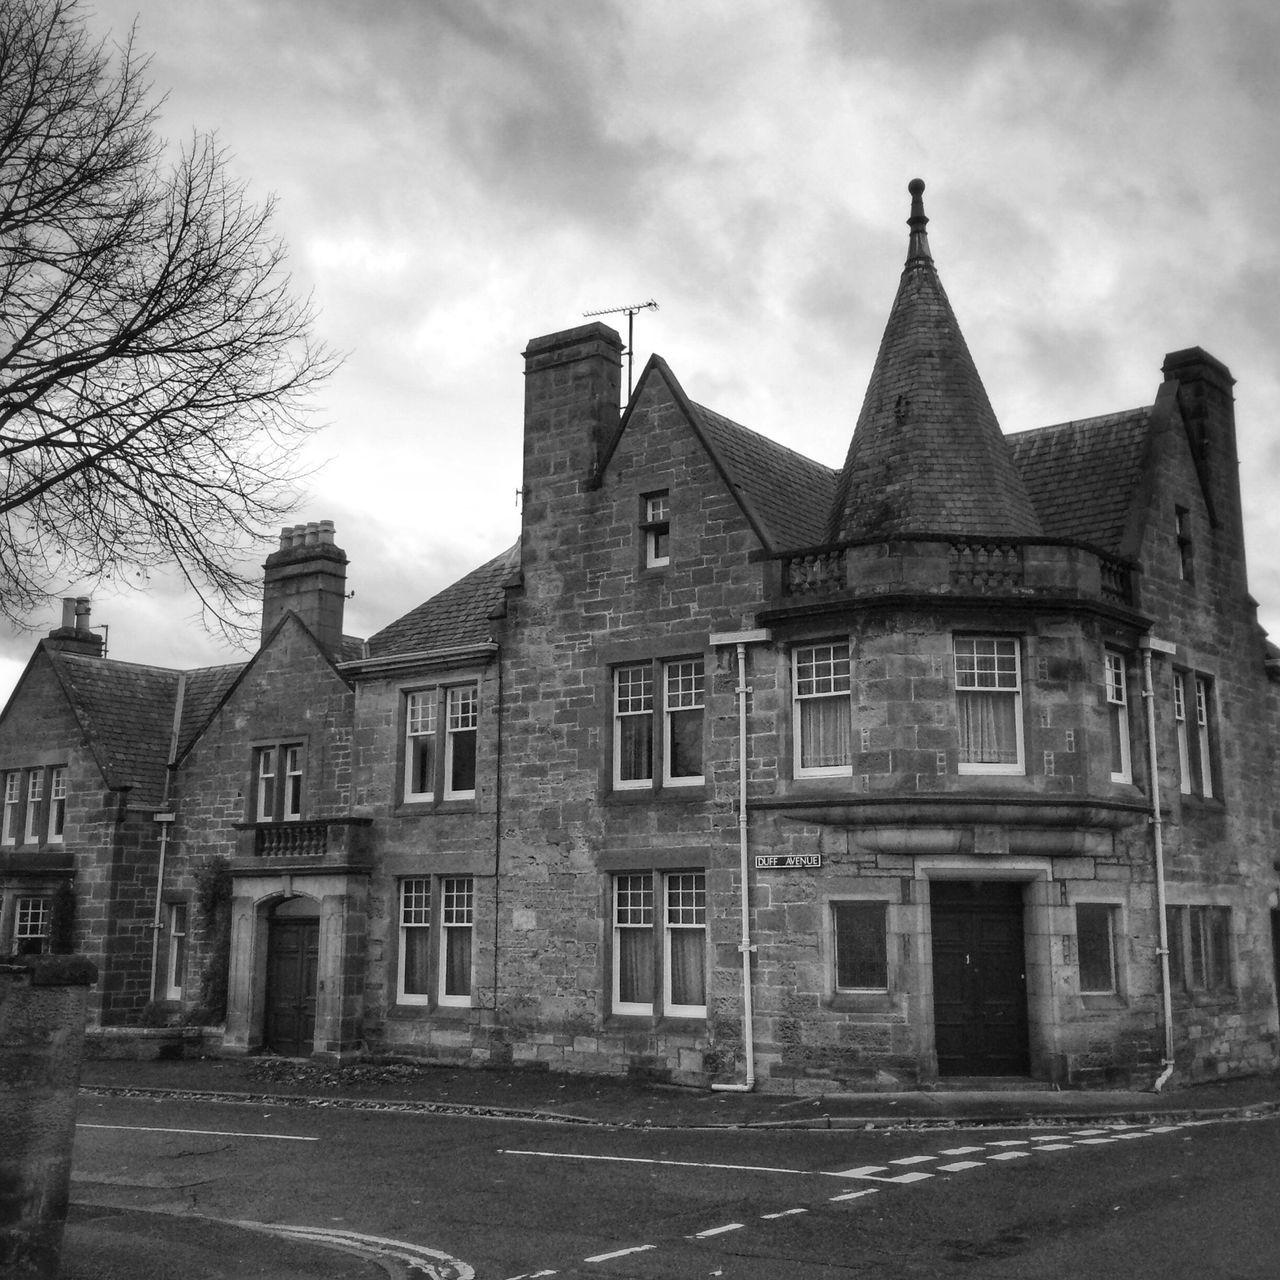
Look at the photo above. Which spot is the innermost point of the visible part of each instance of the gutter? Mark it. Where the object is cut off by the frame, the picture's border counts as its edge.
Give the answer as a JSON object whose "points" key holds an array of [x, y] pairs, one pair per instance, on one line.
{"points": [[740, 639], [1148, 644]]}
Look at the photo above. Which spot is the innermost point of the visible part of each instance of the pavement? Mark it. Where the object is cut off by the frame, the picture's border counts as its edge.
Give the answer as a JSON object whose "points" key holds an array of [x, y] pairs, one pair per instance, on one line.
{"points": [[116, 1244]]}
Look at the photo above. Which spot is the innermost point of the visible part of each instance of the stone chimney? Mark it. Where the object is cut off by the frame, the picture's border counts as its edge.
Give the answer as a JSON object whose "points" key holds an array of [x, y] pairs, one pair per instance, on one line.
{"points": [[307, 576], [75, 635]]}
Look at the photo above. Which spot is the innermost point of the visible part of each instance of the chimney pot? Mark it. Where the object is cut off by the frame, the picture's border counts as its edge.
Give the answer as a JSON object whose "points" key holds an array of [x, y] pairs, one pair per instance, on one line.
{"points": [[313, 534], [68, 613], [83, 607]]}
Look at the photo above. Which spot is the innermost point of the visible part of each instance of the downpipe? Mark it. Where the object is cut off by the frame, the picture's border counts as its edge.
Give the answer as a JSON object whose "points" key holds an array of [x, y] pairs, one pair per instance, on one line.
{"points": [[1157, 829], [740, 640]]}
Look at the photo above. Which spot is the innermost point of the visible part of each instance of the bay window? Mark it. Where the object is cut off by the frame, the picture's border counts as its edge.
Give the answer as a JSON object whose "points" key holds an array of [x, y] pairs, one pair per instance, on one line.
{"points": [[989, 704], [35, 798], [822, 710], [1118, 718]]}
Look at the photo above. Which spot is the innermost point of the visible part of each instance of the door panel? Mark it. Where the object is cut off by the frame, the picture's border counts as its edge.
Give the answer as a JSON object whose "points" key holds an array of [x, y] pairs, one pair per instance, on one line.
{"points": [[979, 978], [293, 953]]}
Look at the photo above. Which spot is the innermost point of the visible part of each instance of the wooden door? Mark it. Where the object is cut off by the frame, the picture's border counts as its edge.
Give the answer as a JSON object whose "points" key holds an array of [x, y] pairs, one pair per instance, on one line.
{"points": [[979, 978], [293, 953]]}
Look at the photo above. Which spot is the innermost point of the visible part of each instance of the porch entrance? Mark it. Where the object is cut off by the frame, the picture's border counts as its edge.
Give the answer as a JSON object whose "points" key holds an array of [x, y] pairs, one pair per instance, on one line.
{"points": [[979, 978], [293, 955]]}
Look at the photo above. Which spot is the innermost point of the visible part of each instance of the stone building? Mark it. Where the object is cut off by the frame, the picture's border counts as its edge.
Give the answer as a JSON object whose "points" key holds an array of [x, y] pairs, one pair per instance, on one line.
{"points": [[956, 761]]}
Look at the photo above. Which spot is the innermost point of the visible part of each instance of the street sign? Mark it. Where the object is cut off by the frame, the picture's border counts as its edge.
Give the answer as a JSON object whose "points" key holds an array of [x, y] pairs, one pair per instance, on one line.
{"points": [[787, 861]]}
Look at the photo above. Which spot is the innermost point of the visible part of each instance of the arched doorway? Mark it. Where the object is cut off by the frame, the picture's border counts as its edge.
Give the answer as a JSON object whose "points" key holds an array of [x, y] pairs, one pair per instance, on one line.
{"points": [[293, 960]]}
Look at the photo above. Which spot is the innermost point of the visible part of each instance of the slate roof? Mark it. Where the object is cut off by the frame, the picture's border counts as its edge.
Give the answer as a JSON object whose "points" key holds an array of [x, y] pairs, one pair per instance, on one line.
{"points": [[788, 495], [203, 689], [126, 711], [1082, 475], [927, 453], [455, 617]]}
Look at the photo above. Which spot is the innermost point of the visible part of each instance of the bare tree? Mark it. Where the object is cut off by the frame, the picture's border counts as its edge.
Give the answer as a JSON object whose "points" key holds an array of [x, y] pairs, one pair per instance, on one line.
{"points": [[155, 365]]}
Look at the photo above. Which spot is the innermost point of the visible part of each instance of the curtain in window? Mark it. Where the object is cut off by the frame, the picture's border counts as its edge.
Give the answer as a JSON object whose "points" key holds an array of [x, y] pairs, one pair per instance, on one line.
{"points": [[688, 967], [416, 960], [686, 743], [635, 748], [988, 727], [457, 961], [635, 966], [826, 733]]}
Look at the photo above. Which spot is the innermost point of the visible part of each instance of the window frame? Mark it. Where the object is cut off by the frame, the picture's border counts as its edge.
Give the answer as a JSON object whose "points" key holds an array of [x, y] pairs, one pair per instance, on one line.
{"points": [[655, 528], [1197, 740], [1119, 728], [838, 672], [442, 907], [646, 697], [11, 823], [438, 719], [177, 932], [279, 781], [1201, 948], [24, 913], [650, 910], [846, 935], [33, 825], [55, 830], [1110, 912], [1013, 646]]}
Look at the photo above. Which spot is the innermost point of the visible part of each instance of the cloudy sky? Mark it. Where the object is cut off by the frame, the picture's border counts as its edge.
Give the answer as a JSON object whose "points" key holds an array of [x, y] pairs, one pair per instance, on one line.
{"points": [[457, 176]]}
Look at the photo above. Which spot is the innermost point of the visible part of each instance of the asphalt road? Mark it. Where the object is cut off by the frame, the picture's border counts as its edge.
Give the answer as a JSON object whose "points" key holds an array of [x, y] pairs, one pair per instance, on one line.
{"points": [[501, 1199]]}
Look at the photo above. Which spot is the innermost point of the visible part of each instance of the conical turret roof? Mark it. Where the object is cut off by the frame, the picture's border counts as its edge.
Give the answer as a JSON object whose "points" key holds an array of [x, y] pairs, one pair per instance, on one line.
{"points": [[927, 454]]}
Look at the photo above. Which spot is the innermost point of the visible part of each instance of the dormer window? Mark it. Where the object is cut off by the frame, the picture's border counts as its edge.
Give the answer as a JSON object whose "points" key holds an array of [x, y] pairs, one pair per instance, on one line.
{"points": [[656, 529]]}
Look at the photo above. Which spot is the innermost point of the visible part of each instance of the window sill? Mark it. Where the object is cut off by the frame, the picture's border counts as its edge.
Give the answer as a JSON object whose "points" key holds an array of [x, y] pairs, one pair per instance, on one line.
{"points": [[429, 808], [1103, 1000], [860, 1002], [658, 795], [443, 1012], [654, 1022]]}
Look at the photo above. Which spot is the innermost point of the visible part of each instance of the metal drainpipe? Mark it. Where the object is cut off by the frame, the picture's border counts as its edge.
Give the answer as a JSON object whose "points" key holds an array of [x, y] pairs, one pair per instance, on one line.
{"points": [[165, 820], [1157, 827], [741, 639]]}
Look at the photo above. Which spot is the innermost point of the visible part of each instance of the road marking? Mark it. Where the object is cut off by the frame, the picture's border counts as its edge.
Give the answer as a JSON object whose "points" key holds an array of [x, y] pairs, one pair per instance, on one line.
{"points": [[1010, 1155], [718, 1231], [1095, 1142], [1009, 1142], [961, 1165], [620, 1253], [678, 1164], [961, 1151], [914, 1160], [862, 1171], [203, 1133], [786, 1213], [856, 1195], [1056, 1146], [421, 1262]]}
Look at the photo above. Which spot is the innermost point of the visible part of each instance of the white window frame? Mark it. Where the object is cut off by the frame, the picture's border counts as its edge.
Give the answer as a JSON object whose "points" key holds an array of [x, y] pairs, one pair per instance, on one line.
{"points": [[634, 698], [12, 821], [462, 716], [421, 719], [1204, 741], [176, 920], [634, 912], [684, 895], [657, 529], [821, 671], [457, 915], [1118, 715], [1000, 679], [660, 906], [35, 803], [414, 900], [32, 920], [1112, 911], [1180, 723], [683, 683], [291, 796], [265, 785]]}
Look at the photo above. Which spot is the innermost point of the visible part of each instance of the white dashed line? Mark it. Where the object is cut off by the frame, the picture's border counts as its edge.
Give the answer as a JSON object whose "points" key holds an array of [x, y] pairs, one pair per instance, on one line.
{"points": [[1095, 1142], [1009, 1142], [1056, 1146], [620, 1253], [718, 1231], [786, 1213], [960, 1166], [960, 1151], [914, 1160], [1010, 1155], [856, 1195]]}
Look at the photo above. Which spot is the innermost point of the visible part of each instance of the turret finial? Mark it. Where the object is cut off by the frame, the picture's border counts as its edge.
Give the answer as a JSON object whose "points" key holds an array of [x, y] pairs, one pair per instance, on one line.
{"points": [[918, 247]]}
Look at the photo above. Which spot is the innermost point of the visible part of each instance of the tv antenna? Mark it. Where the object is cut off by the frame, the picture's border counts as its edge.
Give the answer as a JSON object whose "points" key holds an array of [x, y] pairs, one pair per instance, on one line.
{"points": [[630, 312]]}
